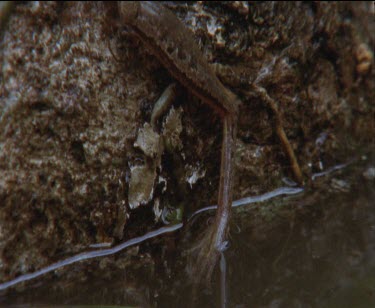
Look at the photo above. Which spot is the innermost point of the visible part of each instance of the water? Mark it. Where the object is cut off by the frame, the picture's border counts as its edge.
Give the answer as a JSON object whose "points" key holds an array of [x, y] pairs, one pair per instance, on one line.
{"points": [[314, 248]]}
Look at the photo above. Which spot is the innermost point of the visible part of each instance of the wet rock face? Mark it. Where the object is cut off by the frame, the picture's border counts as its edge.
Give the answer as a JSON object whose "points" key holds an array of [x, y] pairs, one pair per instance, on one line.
{"points": [[67, 124], [322, 91], [76, 94], [74, 159]]}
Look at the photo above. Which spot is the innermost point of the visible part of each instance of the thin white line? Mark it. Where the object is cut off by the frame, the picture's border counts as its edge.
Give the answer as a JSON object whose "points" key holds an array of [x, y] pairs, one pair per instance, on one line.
{"points": [[261, 198], [329, 170], [90, 255]]}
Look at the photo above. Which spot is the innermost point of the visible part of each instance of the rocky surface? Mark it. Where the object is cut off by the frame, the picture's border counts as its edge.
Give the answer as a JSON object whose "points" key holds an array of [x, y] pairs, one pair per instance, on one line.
{"points": [[77, 92]]}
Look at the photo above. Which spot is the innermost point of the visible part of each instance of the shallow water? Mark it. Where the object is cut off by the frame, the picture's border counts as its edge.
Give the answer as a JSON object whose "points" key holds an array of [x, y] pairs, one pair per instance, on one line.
{"points": [[311, 249]]}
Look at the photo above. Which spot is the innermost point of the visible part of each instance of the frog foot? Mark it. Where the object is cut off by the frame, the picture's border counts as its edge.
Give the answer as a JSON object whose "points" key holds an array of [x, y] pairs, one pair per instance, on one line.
{"points": [[204, 256]]}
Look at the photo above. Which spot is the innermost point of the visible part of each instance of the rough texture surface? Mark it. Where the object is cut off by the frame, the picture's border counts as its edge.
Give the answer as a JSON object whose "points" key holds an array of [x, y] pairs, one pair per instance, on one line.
{"points": [[77, 87]]}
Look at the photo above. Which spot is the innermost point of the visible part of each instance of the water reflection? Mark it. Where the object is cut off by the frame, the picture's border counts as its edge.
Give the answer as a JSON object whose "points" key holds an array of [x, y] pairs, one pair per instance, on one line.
{"points": [[311, 258]]}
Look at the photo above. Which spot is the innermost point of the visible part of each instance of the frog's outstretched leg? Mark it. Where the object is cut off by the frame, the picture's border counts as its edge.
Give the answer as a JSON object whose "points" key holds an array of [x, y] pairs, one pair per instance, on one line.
{"points": [[213, 242]]}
